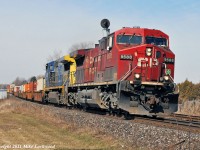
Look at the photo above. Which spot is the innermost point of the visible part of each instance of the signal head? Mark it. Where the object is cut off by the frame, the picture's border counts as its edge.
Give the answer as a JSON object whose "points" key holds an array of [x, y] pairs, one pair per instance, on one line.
{"points": [[105, 23]]}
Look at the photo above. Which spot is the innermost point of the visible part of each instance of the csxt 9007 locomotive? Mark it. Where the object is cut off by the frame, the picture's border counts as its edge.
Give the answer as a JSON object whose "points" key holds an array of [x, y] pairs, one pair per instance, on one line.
{"points": [[130, 71]]}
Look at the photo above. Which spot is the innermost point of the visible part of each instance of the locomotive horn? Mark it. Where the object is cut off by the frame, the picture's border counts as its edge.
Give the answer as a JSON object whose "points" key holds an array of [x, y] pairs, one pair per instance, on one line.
{"points": [[105, 23]]}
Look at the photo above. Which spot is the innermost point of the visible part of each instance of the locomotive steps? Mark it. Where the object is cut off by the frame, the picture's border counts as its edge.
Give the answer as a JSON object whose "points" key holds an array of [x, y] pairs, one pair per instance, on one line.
{"points": [[135, 134]]}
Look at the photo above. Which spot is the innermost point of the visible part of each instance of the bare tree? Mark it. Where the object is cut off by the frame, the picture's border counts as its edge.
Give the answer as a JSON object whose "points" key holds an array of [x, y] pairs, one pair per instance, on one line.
{"points": [[56, 55], [40, 76], [18, 81], [31, 79], [3, 86], [83, 45]]}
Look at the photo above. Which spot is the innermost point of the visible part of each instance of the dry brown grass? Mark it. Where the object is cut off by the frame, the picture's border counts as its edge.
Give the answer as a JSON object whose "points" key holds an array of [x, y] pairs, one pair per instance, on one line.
{"points": [[17, 126], [190, 108]]}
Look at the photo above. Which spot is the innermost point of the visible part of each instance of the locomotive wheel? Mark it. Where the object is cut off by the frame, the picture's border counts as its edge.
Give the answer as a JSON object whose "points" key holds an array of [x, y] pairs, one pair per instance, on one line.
{"points": [[46, 101], [43, 100], [78, 106], [69, 107], [154, 116], [127, 116], [119, 113], [110, 112], [85, 108]]}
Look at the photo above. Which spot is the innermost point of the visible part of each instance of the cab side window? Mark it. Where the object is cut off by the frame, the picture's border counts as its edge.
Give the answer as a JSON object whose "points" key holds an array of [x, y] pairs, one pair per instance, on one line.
{"points": [[158, 54], [110, 42]]}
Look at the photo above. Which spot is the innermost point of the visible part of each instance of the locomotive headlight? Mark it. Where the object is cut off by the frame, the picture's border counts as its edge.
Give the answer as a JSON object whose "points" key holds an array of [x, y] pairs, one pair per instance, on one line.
{"points": [[148, 51], [166, 78], [137, 76]]}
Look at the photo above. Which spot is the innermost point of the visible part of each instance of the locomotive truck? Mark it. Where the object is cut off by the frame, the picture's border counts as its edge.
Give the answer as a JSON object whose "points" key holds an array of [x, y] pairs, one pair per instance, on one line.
{"points": [[130, 71]]}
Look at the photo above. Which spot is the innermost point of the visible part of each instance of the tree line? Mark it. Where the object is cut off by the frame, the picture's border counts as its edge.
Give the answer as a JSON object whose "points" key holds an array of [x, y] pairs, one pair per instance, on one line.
{"points": [[3, 86], [189, 91]]}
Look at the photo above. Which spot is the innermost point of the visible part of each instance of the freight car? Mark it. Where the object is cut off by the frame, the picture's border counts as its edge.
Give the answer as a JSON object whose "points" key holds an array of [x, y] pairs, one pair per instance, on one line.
{"points": [[32, 90], [130, 71], [10, 89]]}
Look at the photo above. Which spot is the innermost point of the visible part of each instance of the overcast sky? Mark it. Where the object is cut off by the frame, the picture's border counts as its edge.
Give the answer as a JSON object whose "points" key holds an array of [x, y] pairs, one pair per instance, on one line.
{"points": [[31, 30]]}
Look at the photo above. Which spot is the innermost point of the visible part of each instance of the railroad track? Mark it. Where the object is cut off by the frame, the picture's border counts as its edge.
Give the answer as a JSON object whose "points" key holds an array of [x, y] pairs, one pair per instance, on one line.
{"points": [[166, 121], [186, 117], [193, 121], [184, 121], [172, 120]]}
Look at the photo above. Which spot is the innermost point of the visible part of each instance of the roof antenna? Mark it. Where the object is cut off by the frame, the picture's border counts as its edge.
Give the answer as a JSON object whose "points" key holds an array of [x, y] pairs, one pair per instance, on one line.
{"points": [[105, 23]]}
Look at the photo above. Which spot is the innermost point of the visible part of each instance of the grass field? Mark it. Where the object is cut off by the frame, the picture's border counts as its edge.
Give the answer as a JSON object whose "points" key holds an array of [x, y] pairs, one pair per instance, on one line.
{"points": [[22, 131], [27, 125]]}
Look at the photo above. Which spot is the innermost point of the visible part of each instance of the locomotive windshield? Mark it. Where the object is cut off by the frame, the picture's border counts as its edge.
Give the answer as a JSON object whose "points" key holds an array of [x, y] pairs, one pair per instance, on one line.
{"points": [[129, 39], [156, 41]]}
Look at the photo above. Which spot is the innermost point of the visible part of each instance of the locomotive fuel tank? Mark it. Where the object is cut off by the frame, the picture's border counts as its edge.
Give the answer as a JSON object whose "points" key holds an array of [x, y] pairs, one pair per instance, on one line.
{"points": [[90, 98]]}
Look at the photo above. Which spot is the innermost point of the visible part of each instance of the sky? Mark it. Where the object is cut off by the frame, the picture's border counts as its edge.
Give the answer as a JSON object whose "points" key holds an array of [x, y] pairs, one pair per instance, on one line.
{"points": [[32, 30]]}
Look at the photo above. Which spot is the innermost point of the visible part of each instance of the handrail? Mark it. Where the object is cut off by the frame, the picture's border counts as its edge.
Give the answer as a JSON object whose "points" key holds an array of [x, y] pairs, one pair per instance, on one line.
{"points": [[67, 78], [171, 77], [127, 73]]}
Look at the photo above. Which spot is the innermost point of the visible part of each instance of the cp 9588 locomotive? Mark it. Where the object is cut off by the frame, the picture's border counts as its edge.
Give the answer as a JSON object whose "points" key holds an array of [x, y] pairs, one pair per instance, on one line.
{"points": [[131, 70]]}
